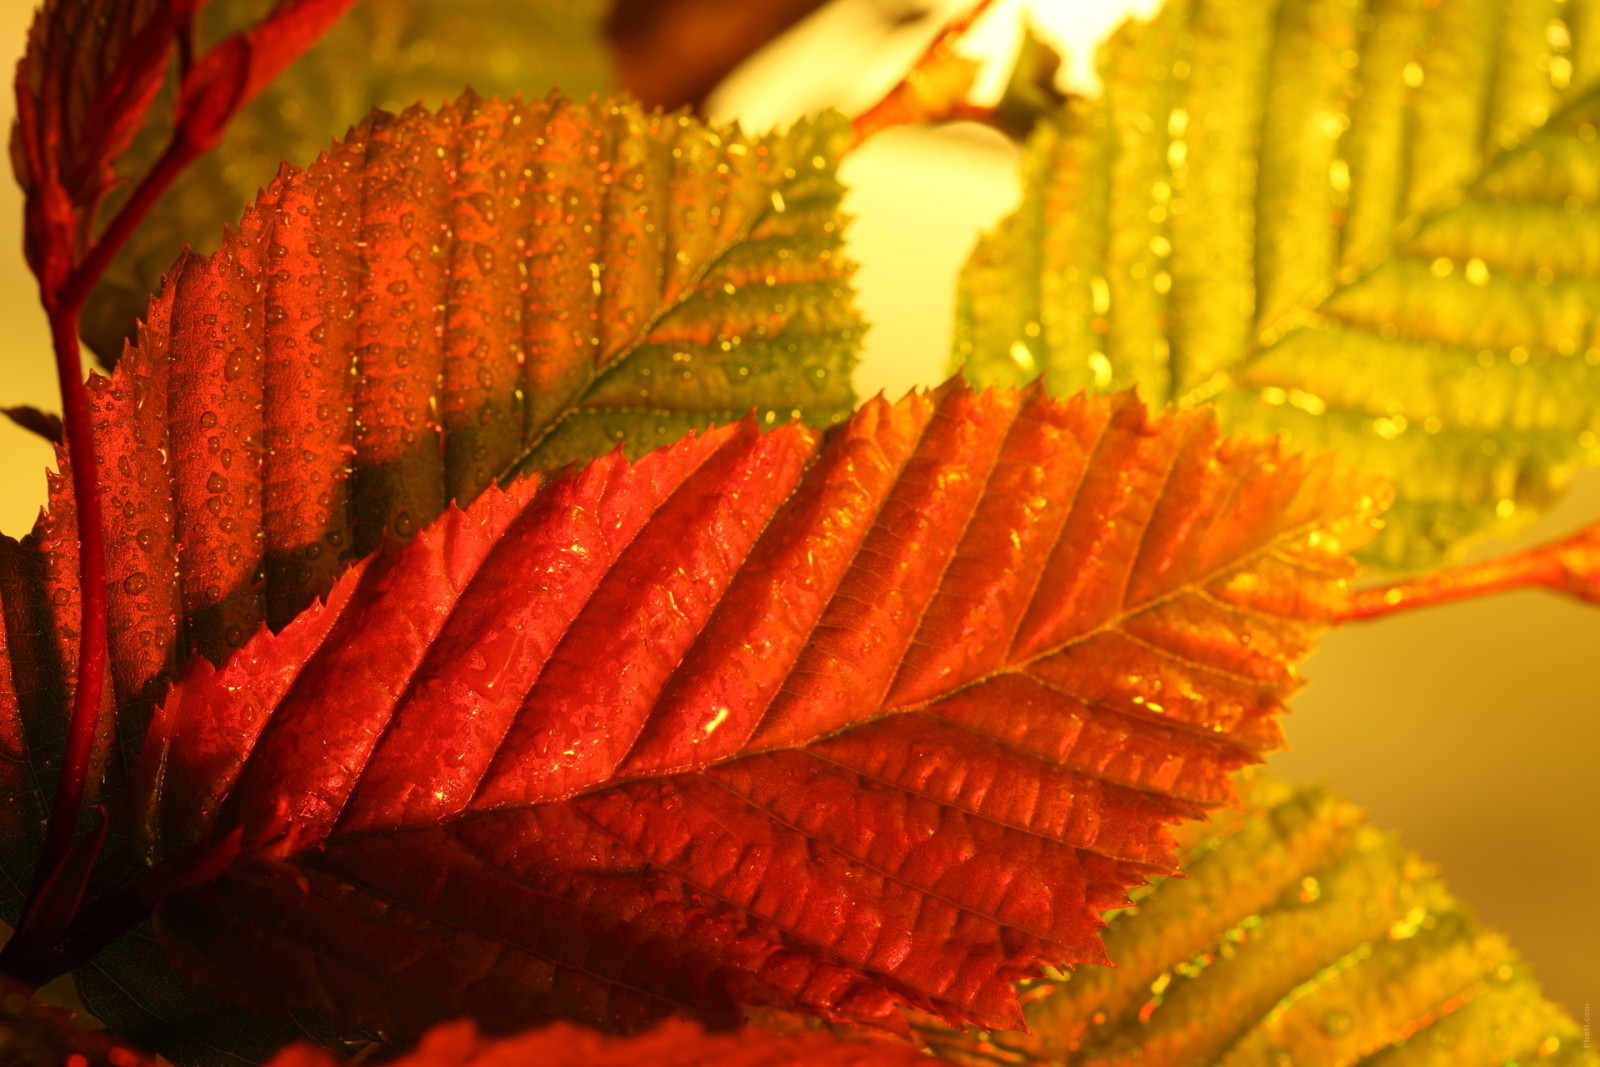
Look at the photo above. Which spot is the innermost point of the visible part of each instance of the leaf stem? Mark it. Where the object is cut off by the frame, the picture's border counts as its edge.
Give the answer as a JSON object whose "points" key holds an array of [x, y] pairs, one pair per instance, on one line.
{"points": [[104, 919], [180, 152], [1570, 565], [62, 306], [934, 89], [92, 640]]}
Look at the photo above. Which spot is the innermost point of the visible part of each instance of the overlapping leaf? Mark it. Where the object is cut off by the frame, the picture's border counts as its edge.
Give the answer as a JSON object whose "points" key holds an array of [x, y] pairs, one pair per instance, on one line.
{"points": [[437, 301], [886, 719], [1371, 225], [1302, 935], [87, 78], [85, 87], [391, 55], [440, 301], [673, 1044], [39, 615]]}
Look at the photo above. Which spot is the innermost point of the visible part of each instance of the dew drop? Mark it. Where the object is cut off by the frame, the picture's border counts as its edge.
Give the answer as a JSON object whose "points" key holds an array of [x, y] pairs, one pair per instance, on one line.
{"points": [[1336, 1022]]}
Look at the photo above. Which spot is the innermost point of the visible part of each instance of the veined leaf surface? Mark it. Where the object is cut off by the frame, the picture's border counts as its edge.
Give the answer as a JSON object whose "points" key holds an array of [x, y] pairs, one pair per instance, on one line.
{"points": [[442, 300], [1301, 935], [437, 301], [389, 54], [673, 1044], [834, 725], [1374, 226]]}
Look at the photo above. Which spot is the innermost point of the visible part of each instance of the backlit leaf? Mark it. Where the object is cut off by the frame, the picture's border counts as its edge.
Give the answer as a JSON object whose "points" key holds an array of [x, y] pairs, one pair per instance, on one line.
{"points": [[673, 1044], [886, 717], [1302, 935], [1374, 226], [385, 53], [85, 81], [438, 301], [39, 614], [443, 300]]}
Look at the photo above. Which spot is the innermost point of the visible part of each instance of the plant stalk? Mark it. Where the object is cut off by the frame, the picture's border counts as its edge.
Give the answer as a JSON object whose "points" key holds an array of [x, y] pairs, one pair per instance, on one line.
{"points": [[180, 152], [92, 601], [912, 99], [1570, 565]]}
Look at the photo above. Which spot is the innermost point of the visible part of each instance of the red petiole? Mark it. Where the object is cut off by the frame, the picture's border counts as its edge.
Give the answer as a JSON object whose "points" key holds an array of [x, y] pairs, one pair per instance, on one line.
{"points": [[915, 98], [70, 261], [1571, 565]]}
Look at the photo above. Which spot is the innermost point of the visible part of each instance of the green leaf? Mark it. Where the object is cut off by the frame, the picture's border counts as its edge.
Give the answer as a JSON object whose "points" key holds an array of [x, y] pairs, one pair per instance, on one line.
{"points": [[1300, 936], [384, 53], [1372, 226]]}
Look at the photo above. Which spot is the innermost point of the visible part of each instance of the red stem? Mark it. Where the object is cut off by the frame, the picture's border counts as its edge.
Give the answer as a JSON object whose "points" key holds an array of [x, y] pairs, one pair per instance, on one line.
{"points": [[92, 646], [78, 431], [903, 104], [63, 308], [178, 155], [63, 299], [1571, 565]]}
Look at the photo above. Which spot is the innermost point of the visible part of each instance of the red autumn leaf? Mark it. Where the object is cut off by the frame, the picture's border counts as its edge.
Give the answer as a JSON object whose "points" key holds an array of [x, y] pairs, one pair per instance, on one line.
{"points": [[673, 1044], [583, 270], [84, 84], [84, 88], [511, 282], [888, 717]]}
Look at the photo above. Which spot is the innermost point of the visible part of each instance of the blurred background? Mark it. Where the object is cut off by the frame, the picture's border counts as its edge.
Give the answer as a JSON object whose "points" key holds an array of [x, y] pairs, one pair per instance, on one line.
{"points": [[1473, 730]]}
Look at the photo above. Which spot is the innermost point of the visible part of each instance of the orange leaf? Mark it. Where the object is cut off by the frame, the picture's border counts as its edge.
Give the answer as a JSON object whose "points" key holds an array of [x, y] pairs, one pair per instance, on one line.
{"points": [[673, 1044], [887, 717]]}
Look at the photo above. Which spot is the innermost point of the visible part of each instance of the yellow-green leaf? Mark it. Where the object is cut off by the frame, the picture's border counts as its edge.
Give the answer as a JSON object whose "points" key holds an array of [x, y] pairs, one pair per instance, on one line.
{"points": [[384, 53], [1372, 225], [1301, 936]]}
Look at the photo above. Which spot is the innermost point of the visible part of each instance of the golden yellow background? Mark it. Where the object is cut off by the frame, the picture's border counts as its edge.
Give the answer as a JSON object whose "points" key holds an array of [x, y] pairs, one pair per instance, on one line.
{"points": [[1473, 729]]}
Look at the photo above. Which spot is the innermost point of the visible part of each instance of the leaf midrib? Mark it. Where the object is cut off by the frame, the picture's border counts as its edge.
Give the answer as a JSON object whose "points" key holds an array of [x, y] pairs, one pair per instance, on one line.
{"points": [[1343, 279], [592, 377]]}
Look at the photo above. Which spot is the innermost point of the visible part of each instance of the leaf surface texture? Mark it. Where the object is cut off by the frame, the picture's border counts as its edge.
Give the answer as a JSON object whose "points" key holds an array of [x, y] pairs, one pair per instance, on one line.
{"points": [[1372, 226], [88, 75], [831, 724], [439, 300], [1301, 935], [442, 300], [388, 54], [673, 1044]]}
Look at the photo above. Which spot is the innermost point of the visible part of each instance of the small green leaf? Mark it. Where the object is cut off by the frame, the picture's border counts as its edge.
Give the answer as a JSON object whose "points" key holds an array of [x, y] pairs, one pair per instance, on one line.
{"points": [[1300, 936], [1372, 226], [384, 53]]}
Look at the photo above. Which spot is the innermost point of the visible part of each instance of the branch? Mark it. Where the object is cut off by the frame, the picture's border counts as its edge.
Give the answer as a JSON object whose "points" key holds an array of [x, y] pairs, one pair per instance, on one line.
{"points": [[68, 263], [1571, 566], [92, 640], [935, 89], [179, 153]]}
